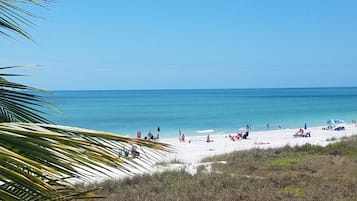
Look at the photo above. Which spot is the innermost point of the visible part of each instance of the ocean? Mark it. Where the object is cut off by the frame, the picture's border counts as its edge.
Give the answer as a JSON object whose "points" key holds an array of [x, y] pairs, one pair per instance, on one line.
{"points": [[191, 111]]}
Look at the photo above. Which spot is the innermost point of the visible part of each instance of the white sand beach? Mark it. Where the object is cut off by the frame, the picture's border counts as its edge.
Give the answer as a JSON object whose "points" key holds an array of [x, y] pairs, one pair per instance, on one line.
{"points": [[196, 148], [188, 154]]}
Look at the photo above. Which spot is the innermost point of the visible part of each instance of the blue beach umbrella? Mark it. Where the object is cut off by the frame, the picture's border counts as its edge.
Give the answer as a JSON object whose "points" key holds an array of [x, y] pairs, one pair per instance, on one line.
{"points": [[330, 122], [339, 121]]}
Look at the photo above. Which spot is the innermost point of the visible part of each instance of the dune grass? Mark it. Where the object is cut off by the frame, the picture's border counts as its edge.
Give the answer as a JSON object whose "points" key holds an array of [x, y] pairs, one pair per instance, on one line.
{"points": [[289, 173]]}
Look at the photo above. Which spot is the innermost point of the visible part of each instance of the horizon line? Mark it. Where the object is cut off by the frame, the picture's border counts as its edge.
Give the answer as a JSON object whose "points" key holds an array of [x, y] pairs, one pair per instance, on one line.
{"points": [[181, 89]]}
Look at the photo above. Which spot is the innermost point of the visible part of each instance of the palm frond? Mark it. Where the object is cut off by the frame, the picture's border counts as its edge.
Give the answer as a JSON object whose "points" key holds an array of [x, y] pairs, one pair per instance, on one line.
{"points": [[20, 103], [13, 18], [37, 159]]}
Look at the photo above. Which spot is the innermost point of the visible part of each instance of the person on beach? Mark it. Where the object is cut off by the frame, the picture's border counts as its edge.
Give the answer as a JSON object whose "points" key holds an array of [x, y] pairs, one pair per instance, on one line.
{"points": [[239, 136], [150, 135], [126, 153], [183, 137], [180, 136], [208, 139], [158, 133], [138, 134], [245, 135], [134, 151], [231, 137], [268, 126]]}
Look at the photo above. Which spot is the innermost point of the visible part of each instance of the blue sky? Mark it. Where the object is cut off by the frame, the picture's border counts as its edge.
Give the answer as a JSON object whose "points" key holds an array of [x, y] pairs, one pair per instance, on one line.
{"points": [[189, 44]]}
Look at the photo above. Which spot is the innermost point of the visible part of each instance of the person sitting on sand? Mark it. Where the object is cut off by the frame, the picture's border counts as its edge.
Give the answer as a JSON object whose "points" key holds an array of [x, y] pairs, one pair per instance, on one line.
{"points": [[126, 153], [134, 152], [231, 137], [299, 132], [245, 135], [239, 136]]}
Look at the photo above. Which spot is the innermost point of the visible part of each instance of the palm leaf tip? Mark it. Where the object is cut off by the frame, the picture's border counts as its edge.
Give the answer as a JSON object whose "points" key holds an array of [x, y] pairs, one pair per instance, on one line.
{"points": [[21, 103]]}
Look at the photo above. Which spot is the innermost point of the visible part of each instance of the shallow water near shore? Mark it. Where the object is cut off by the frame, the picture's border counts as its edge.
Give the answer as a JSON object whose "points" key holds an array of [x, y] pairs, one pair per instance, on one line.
{"points": [[192, 111]]}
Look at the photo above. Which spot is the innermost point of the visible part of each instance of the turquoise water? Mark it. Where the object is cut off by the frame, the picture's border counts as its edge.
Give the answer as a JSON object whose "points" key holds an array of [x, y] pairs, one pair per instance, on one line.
{"points": [[222, 110]]}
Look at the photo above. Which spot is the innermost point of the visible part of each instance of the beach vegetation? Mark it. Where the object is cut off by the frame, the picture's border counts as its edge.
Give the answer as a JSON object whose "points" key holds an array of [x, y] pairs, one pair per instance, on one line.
{"points": [[294, 192], [167, 163], [298, 173], [283, 162], [37, 157], [201, 169]]}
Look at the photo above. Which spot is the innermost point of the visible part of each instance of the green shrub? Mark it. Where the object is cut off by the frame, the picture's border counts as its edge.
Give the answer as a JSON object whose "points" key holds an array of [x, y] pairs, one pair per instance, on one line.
{"points": [[283, 162]]}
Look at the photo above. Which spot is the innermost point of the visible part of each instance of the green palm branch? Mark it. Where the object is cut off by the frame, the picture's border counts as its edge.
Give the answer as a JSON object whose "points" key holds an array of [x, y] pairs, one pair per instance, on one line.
{"points": [[13, 18], [38, 159], [16, 105]]}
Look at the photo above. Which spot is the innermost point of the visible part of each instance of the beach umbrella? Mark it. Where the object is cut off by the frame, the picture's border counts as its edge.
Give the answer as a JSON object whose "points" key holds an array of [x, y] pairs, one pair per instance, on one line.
{"points": [[330, 122], [339, 121]]}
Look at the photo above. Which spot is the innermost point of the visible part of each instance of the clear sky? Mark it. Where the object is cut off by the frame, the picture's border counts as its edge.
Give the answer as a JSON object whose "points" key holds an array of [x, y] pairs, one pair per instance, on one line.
{"points": [[117, 44]]}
